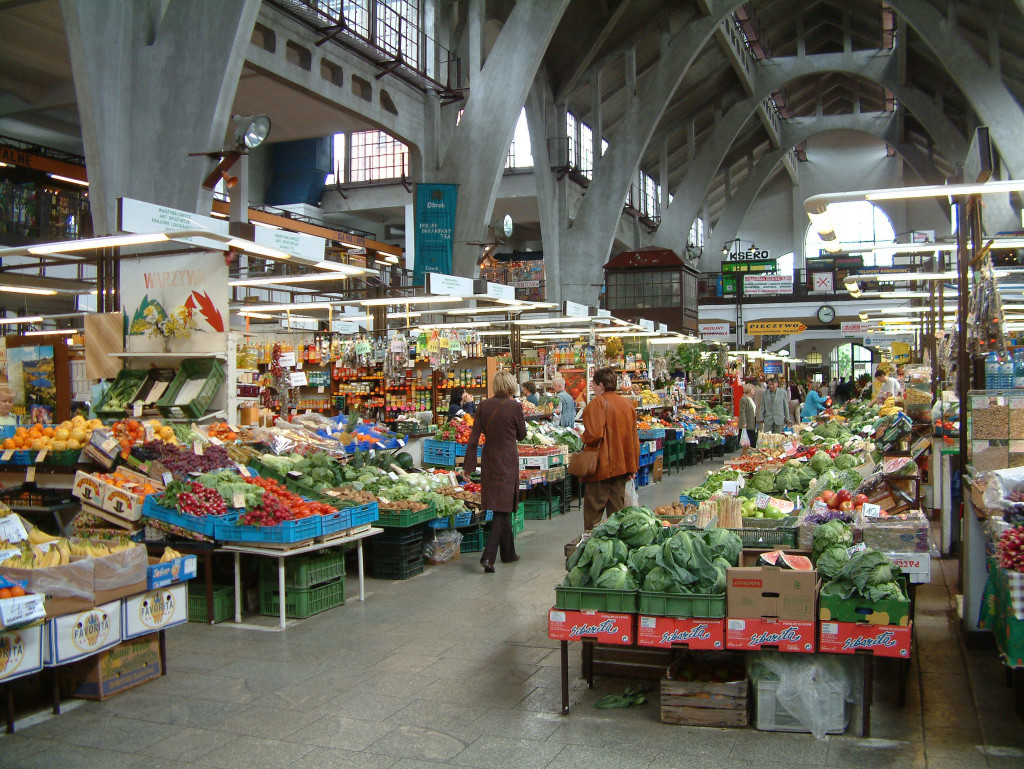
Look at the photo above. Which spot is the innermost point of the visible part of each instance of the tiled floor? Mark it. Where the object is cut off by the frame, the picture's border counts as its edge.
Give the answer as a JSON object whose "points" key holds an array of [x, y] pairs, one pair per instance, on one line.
{"points": [[453, 668]]}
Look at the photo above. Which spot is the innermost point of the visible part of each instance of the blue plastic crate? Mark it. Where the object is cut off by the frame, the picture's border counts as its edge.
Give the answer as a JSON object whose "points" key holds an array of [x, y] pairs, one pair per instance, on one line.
{"points": [[643, 476], [439, 452], [205, 525], [461, 519], [20, 457], [688, 500], [288, 531], [361, 514], [337, 521], [460, 449], [650, 435]]}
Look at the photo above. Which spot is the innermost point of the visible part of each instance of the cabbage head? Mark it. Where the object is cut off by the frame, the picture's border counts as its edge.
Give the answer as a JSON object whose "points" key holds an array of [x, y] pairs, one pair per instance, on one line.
{"points": [[724, 544], [821, 462], [635, 526], [643, 559], [845, 462], [660, 580], [831, 561], [828, 535], [688, 559], [616, 577]]}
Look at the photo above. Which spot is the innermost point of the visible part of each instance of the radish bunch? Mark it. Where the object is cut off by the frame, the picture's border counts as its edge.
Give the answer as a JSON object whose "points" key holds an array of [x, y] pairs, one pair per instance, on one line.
{"points": [[1010, 549]]}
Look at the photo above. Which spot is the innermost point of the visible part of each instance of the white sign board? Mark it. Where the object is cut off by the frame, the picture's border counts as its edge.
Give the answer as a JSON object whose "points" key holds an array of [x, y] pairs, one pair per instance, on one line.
{"points": [[822, 283], [854, 329], [300, 245], [648, 325], [498, 291], [750, 255], [574, 310], [448, 285], [662, 328], [604, 313], [763, 285], [143, 218], [714, 330], [344, 327], [886, 341]]}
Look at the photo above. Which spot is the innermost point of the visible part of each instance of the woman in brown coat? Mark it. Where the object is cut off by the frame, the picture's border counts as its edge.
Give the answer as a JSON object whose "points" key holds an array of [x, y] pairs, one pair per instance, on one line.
{"points": [[610, 430], [500, 419]]}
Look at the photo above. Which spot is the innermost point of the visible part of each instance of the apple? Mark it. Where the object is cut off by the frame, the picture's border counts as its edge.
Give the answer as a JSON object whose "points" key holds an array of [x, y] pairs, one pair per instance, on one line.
{"points": [[846, 506], [844, 496], [827, 496], [860, 500]]}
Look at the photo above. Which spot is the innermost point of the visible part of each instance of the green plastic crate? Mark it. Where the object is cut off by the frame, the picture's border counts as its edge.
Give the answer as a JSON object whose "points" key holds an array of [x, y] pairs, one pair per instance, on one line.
{"points": [[223, 603], [473, 540], [518, 521], [129, 378], [304, 571], [302, 602], [595, 599], [193, 368], [401, 519], [541, 509], [671, 605], [755, 537]]}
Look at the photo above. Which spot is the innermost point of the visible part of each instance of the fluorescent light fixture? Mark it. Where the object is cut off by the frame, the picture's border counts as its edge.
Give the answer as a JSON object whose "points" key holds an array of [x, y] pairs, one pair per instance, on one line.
{"points": [[945, 190], [478, 310], [259, 315], [557, 319], [255, 248], [901, 310], [5, 165], [28, 290], [288, 307], [822, 222], [892, 277], [493, 333], [471, 324], [289, 279], [385, 301], [518, 302], [59, 178], [218, 215], [113, 241], [348, 269], [60, 331], [22, 319], [390, 259], [265, 225], [410, 314]]}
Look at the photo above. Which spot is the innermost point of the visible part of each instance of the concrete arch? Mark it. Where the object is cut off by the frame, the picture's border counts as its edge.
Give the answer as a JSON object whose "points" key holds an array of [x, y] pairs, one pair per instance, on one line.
{"points": [[980, 84], [735, 212], [775, 73]]}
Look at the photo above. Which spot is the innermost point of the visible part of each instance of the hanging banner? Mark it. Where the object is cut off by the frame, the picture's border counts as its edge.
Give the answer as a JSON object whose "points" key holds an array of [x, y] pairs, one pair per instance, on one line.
{"points": [[761, 285], [714, 330], [854, 329], [435, 229], [900, 352]]}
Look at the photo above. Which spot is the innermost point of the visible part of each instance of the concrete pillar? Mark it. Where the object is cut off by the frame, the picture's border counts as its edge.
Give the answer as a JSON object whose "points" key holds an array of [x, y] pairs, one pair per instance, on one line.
{"points": [[475, 159], [476, 38], [597, 130], [629, 62], [543, 119], [154, 82], [801, 36]]}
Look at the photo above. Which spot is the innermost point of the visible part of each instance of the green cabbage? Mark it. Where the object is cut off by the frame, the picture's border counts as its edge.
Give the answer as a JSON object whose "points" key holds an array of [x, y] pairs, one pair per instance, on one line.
{"points": [[660, 580], [724, 544], [828, 535], [635, 526], [688, 559], [763, 480], [846, 462], [643, 559], [831, 561], [821, 462], [616, 577]]}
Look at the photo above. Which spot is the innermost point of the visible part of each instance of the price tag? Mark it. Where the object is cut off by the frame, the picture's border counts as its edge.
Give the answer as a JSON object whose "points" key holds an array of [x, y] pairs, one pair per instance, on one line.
{"points": [[373, 453], [21, 609], [384, 500], [243, 470], [195, 473], [5, 554], [41, 456], [166, 478], [287, 359], [232, 428], [149, 433], [30, 475], [730, 487], [392, 476], [216, 441], [320, 390], [294, 474], [137, 409], [238, 499], [397, 345], [871, 511], [763, 500], [298, 365], [401, 443], [7, 455], [856, 549], [197, 448], [12, 529], [298, 379], [44, 547]]}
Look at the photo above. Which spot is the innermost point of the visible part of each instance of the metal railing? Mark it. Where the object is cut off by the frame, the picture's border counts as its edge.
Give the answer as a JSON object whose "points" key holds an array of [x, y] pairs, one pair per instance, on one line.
{"points": [[391, 40], [31, 213]]}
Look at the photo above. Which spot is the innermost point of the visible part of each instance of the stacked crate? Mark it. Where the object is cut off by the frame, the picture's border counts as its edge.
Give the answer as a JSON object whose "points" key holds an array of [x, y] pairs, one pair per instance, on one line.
{"points": [[313, 584], [398, 553]]}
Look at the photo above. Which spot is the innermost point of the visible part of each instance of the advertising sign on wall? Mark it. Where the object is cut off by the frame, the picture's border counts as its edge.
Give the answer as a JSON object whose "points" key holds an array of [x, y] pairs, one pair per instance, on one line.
{"points": [[762, 285], [435, 228], [714, 330]]}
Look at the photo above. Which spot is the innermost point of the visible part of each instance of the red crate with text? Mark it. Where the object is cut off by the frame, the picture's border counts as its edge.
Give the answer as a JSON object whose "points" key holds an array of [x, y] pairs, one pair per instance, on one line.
{"points": [[693, 632], [600, 626], [781, 634], [853, 637]]}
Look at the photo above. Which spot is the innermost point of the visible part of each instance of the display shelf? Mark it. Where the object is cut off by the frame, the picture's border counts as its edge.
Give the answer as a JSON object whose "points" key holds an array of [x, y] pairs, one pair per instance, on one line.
{"points": [[219, 354]]}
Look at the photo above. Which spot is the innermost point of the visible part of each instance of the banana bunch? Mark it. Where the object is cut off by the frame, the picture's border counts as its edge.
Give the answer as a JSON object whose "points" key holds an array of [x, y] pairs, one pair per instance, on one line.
{"points": [[40, 537], [889, 408], [37, 557], [169, 555], [89, 549]]}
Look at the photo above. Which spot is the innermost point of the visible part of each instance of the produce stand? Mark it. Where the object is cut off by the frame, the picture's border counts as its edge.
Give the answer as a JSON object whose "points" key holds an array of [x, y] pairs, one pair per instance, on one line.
{"points": [[281, 554]]}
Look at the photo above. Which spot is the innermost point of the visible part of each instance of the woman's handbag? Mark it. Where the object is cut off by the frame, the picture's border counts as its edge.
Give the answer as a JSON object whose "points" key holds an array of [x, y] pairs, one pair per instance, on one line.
{"points": [[583, 464]]}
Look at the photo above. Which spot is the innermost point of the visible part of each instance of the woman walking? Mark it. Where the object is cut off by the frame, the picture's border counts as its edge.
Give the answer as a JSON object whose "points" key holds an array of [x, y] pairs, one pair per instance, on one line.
{"points": [[748, 415], [500, 419]]}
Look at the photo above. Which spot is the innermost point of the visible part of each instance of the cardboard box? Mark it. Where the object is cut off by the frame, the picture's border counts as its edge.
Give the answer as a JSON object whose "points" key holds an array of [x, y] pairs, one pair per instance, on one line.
{"points": [[854, 637], [753, 592], [123, 503], [691, 632], [74, 636], [917, 566], [170, 572], [154, 610], [68, 588], [781, 634], [125, 666], [22, 610], [120, 574], [21, 652], [88, 488], [600, 626], [248, 415], [857, 610]]}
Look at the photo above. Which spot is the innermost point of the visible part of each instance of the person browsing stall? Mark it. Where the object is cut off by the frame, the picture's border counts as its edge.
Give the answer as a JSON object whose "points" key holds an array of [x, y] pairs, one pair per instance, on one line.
{"points": [[501, 420], [775, 408], [609, 422], [461, 403], [566, 405]]}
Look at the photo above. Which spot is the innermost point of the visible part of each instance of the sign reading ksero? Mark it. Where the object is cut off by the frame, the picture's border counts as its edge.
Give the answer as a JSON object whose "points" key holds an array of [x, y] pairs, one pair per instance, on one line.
{"points": [[750, 255]]}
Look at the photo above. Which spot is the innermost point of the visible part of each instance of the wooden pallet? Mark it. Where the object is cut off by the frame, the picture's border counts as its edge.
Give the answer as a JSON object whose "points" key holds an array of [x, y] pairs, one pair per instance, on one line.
{"points": [[704, 703]]}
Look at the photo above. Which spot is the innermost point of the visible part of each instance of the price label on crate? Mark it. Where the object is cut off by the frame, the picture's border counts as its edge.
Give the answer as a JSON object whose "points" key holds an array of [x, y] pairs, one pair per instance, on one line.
{"points": [[392, 476], [149, 433], [401, 443], [21, 609], [856, 549], [30, 475], [41, 456], [197, 448], [7, 455], [12, 529], [232, 428], [294, 474], [5, 554], [243, 470], [871, 511], [137, 409], [762, 501], [216, 441], [166, 478], [238, 499]]}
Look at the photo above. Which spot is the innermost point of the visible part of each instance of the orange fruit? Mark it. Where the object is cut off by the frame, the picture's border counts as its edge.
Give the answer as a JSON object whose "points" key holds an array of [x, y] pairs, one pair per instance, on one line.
{"points": [[17, 590], [18, 442], [5, 593], [9, 443], [48, 432]]}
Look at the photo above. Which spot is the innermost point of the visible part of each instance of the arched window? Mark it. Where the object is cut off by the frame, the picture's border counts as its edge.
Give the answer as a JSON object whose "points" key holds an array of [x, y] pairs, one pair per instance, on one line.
{"points": [[696, 237], [856, 222], [849, 360]]}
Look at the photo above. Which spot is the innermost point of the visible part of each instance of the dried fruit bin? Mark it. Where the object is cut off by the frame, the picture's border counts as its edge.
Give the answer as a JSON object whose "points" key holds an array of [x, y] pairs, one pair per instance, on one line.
{"points": [[207, 369], [673, 605], [303, 571], [223, 603], [595, 599], [302, 602], [284, 532]]}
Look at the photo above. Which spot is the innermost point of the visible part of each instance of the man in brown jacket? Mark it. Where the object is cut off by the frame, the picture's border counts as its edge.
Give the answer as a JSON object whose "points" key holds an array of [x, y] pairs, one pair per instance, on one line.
{"points": [[609, 422]]}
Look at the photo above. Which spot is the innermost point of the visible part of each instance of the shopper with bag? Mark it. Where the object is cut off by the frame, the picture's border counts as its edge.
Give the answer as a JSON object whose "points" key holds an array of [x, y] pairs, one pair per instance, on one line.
{"points": [[748, 419], [611, 450], [500, 419], [776, 408]]}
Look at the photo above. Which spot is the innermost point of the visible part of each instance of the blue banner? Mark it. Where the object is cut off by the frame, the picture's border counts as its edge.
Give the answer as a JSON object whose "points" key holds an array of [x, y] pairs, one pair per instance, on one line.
{"points": [[435, 229]]}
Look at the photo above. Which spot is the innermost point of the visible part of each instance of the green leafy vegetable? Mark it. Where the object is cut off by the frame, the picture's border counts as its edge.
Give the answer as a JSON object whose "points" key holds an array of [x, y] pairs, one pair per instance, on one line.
{"points": [[725, 545]]}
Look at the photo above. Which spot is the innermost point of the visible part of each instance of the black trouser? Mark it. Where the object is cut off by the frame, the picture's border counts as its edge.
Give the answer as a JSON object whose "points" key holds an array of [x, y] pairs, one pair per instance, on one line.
{"points": [[752, 437], [500, 537]]}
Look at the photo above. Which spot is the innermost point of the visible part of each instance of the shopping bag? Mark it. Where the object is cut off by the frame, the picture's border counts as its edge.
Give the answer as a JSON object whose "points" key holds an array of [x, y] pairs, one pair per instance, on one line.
{"points": [[632, 498], [744, 439]]}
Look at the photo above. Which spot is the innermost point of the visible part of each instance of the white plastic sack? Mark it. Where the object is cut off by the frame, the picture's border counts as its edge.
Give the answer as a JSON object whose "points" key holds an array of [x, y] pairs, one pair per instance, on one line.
{"points": [[744, 439], [1001, 484], [632, 497], [808, 685]]}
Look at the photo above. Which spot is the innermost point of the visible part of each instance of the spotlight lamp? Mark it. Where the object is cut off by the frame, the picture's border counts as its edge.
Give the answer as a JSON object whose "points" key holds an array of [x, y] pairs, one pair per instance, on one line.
{"points": [[250, 131]]}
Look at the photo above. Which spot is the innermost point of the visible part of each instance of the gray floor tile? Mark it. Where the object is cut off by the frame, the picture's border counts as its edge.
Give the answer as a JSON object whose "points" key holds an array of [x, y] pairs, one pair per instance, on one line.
{"points": [[609, 757], [413, 742], [502, 753], [268, 723], [189, 745], [335, 758], [340, 732], [455, 720], [499, 722], [363, 705], [872, 753], [72, 756], [783, 747], [256, 753]]}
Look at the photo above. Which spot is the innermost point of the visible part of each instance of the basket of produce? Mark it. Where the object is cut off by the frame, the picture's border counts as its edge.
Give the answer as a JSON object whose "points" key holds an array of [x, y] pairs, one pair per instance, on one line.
{"points": [[192, 389], [121, 393]]}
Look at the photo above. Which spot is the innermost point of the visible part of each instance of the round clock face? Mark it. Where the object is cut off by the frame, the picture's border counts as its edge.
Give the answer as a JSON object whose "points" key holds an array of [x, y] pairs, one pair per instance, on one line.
{"points": [[506, 225], [826, 314]]}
